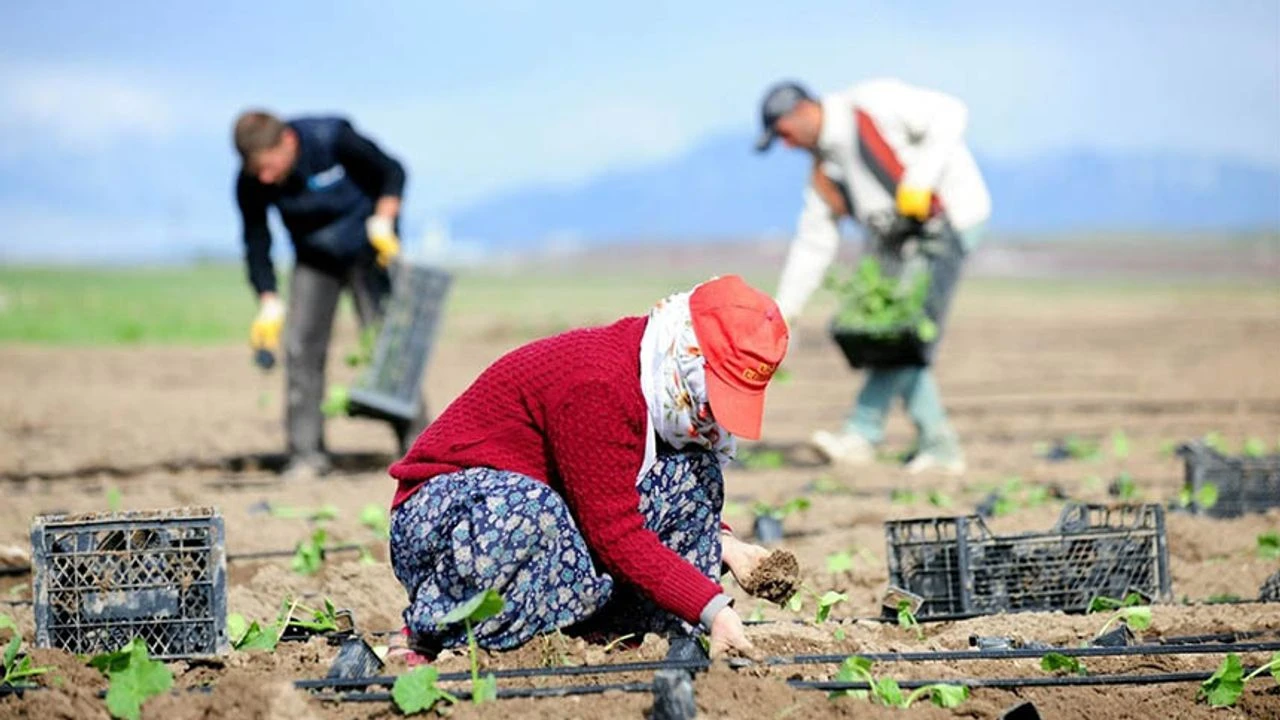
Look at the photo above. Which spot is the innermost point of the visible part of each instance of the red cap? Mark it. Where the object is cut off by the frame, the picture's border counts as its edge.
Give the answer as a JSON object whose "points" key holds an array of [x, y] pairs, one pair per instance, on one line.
{"points": [[743, 339]]}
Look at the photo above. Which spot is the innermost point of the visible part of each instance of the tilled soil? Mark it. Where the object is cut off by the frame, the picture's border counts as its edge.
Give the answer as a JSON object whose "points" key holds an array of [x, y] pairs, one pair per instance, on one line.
{"points": [[182, 426]]}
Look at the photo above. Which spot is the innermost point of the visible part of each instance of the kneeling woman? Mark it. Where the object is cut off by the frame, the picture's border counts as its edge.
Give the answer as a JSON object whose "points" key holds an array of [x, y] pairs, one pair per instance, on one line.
{"points": [[580, 477]]}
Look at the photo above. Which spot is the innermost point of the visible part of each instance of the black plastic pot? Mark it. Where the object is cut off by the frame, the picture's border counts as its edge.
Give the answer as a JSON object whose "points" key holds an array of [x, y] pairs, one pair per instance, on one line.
{"points": [[767, 529]]}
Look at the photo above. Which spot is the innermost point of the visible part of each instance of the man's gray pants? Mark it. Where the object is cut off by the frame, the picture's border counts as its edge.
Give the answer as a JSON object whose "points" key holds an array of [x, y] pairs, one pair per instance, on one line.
{"points": [[313, 302]]}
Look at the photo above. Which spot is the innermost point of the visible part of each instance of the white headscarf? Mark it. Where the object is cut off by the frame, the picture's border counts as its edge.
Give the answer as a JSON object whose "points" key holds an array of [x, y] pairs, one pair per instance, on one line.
{"points": [[674, 383]]}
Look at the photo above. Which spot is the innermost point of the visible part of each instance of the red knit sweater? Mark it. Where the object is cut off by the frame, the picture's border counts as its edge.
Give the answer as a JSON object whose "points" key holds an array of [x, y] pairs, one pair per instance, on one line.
{"points": [[568, 411]]}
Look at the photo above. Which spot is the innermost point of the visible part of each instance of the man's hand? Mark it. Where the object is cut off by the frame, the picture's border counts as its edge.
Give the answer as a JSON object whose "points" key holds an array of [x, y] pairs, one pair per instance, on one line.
{"points": [[742, 558], [728, 635], [264, 334], [914, 202], [381, 230]]}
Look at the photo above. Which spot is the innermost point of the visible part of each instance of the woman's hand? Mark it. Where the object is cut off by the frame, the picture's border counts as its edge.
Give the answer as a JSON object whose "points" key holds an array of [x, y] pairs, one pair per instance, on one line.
{"points": [[728, 635], [742, 558]]}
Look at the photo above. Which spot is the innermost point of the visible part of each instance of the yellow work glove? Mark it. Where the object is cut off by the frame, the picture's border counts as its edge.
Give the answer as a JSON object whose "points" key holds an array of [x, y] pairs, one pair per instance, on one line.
{"points": [[264, 334], [382, 236], [914, 202]]}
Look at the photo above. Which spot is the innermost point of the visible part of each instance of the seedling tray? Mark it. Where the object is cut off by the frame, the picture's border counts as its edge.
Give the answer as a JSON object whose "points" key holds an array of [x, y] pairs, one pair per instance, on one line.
{"points": [[960, 568], [389, 387], [1244, 484], [102, 579]]}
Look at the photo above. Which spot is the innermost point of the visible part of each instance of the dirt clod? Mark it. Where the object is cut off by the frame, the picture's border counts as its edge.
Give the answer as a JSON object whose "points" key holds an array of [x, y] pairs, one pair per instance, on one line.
{"points": [[776, 578]]}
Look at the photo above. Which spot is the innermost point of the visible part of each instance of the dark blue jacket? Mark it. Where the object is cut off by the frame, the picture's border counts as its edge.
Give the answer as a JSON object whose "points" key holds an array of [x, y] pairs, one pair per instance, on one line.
{"points": [[324, 201]]}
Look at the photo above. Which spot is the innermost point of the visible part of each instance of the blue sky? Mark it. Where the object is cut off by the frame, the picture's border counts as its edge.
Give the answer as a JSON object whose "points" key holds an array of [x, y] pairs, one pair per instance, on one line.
{"points": [[135, 99]]}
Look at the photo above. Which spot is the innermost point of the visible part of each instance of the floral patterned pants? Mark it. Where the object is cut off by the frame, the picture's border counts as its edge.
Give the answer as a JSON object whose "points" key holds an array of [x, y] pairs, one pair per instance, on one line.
{"points": [[480, 528]]}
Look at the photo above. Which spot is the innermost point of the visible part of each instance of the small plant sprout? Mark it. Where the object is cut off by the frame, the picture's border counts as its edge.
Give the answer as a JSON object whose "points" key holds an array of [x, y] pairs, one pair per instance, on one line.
{"points": [[887, 692], [16, 671], [1137, 617], [763, 460], [901, 496], [479, 608], [907, 619], [251, 635], [1225, 686], [1168, 448], [113, 499], [1124, 487], [827, 485], [134, 678], [377, 519], [1057, 662], [308, 557], [757, 613], [1204, 497], [363, 354], [323, 513], [939, 499], [337, 403], [796, 603], [1269, 545], [840, 562], [829, 599], [1215, 441], [1119, 445], [416, 691], [780, 512], [1102, 603], [1255, 447]]}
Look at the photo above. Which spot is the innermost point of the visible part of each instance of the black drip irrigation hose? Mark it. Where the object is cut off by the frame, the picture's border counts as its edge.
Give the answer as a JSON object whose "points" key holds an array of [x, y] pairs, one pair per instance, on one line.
{"points": [[1023, 653], [506, 693], [567, 671], [1011, 683]]}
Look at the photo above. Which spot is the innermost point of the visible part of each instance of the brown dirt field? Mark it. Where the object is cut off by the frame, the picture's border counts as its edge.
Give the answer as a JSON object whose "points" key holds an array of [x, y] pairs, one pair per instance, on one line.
{"points": [[182, 426]]}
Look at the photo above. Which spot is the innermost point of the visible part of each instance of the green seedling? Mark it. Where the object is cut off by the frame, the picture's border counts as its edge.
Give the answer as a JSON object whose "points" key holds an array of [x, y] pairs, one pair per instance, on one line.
{"points": [[416, 691], [1119, 445], [796, 603], [1269, 545], [907, 619], [757, 614], [780, 512], [337, 403], [840, 562], [829, 599], [113, 499], [17, 670], [939, 499], [1125, 487], [308, 557], [377, 519], [366, 557], [901, 496], [763, 460], [320, 620], [887, 692], [1255, 447], [1168, 448], [1055, 662], [838, 635], [609, 646], [883, 306], [479, 608], [782, 376], [134, 678], [363, 354], [826, 485], [1225, 686], [1223, 599], [1102, 603], [1215, 441], [1205, 497], [252, 635], [1137, 618]]}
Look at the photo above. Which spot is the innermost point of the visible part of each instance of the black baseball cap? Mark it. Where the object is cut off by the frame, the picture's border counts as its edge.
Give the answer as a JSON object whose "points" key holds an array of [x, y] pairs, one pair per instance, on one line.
{"points": [[781, 99]]}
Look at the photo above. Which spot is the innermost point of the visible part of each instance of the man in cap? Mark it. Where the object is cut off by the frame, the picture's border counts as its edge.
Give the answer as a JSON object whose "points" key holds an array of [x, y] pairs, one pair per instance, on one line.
{"points": [[338, 195], [882, 150]]}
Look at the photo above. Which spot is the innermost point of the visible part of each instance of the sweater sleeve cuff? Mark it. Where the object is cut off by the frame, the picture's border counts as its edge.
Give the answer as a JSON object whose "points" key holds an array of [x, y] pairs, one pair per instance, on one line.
{"points": [[712, 608]]}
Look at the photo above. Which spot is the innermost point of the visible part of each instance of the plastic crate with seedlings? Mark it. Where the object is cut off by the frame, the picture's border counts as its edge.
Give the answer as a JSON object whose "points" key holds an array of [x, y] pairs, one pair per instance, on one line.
{"points": [[960, 568], [388, 389], [102, 579], [1224, 487]]}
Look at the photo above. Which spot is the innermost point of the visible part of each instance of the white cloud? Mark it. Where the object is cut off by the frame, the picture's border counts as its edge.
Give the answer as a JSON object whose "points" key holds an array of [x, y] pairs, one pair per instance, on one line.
{"points": [[78, 107]]}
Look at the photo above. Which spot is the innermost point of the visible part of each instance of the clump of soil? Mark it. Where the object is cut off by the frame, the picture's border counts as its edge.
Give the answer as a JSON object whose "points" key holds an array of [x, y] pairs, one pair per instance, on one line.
{"points": [[776, 578]]}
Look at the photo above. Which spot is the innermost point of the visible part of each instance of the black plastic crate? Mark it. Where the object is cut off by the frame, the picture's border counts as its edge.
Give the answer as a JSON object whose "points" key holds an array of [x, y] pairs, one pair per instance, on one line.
{"points": [[1244, 484], [102, 579], [389, 388], [960, 568], [943, 255]]}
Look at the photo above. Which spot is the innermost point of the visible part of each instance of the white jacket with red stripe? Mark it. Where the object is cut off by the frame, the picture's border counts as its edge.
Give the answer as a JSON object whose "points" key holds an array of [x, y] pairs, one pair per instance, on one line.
{"points": [[874, 136]]}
